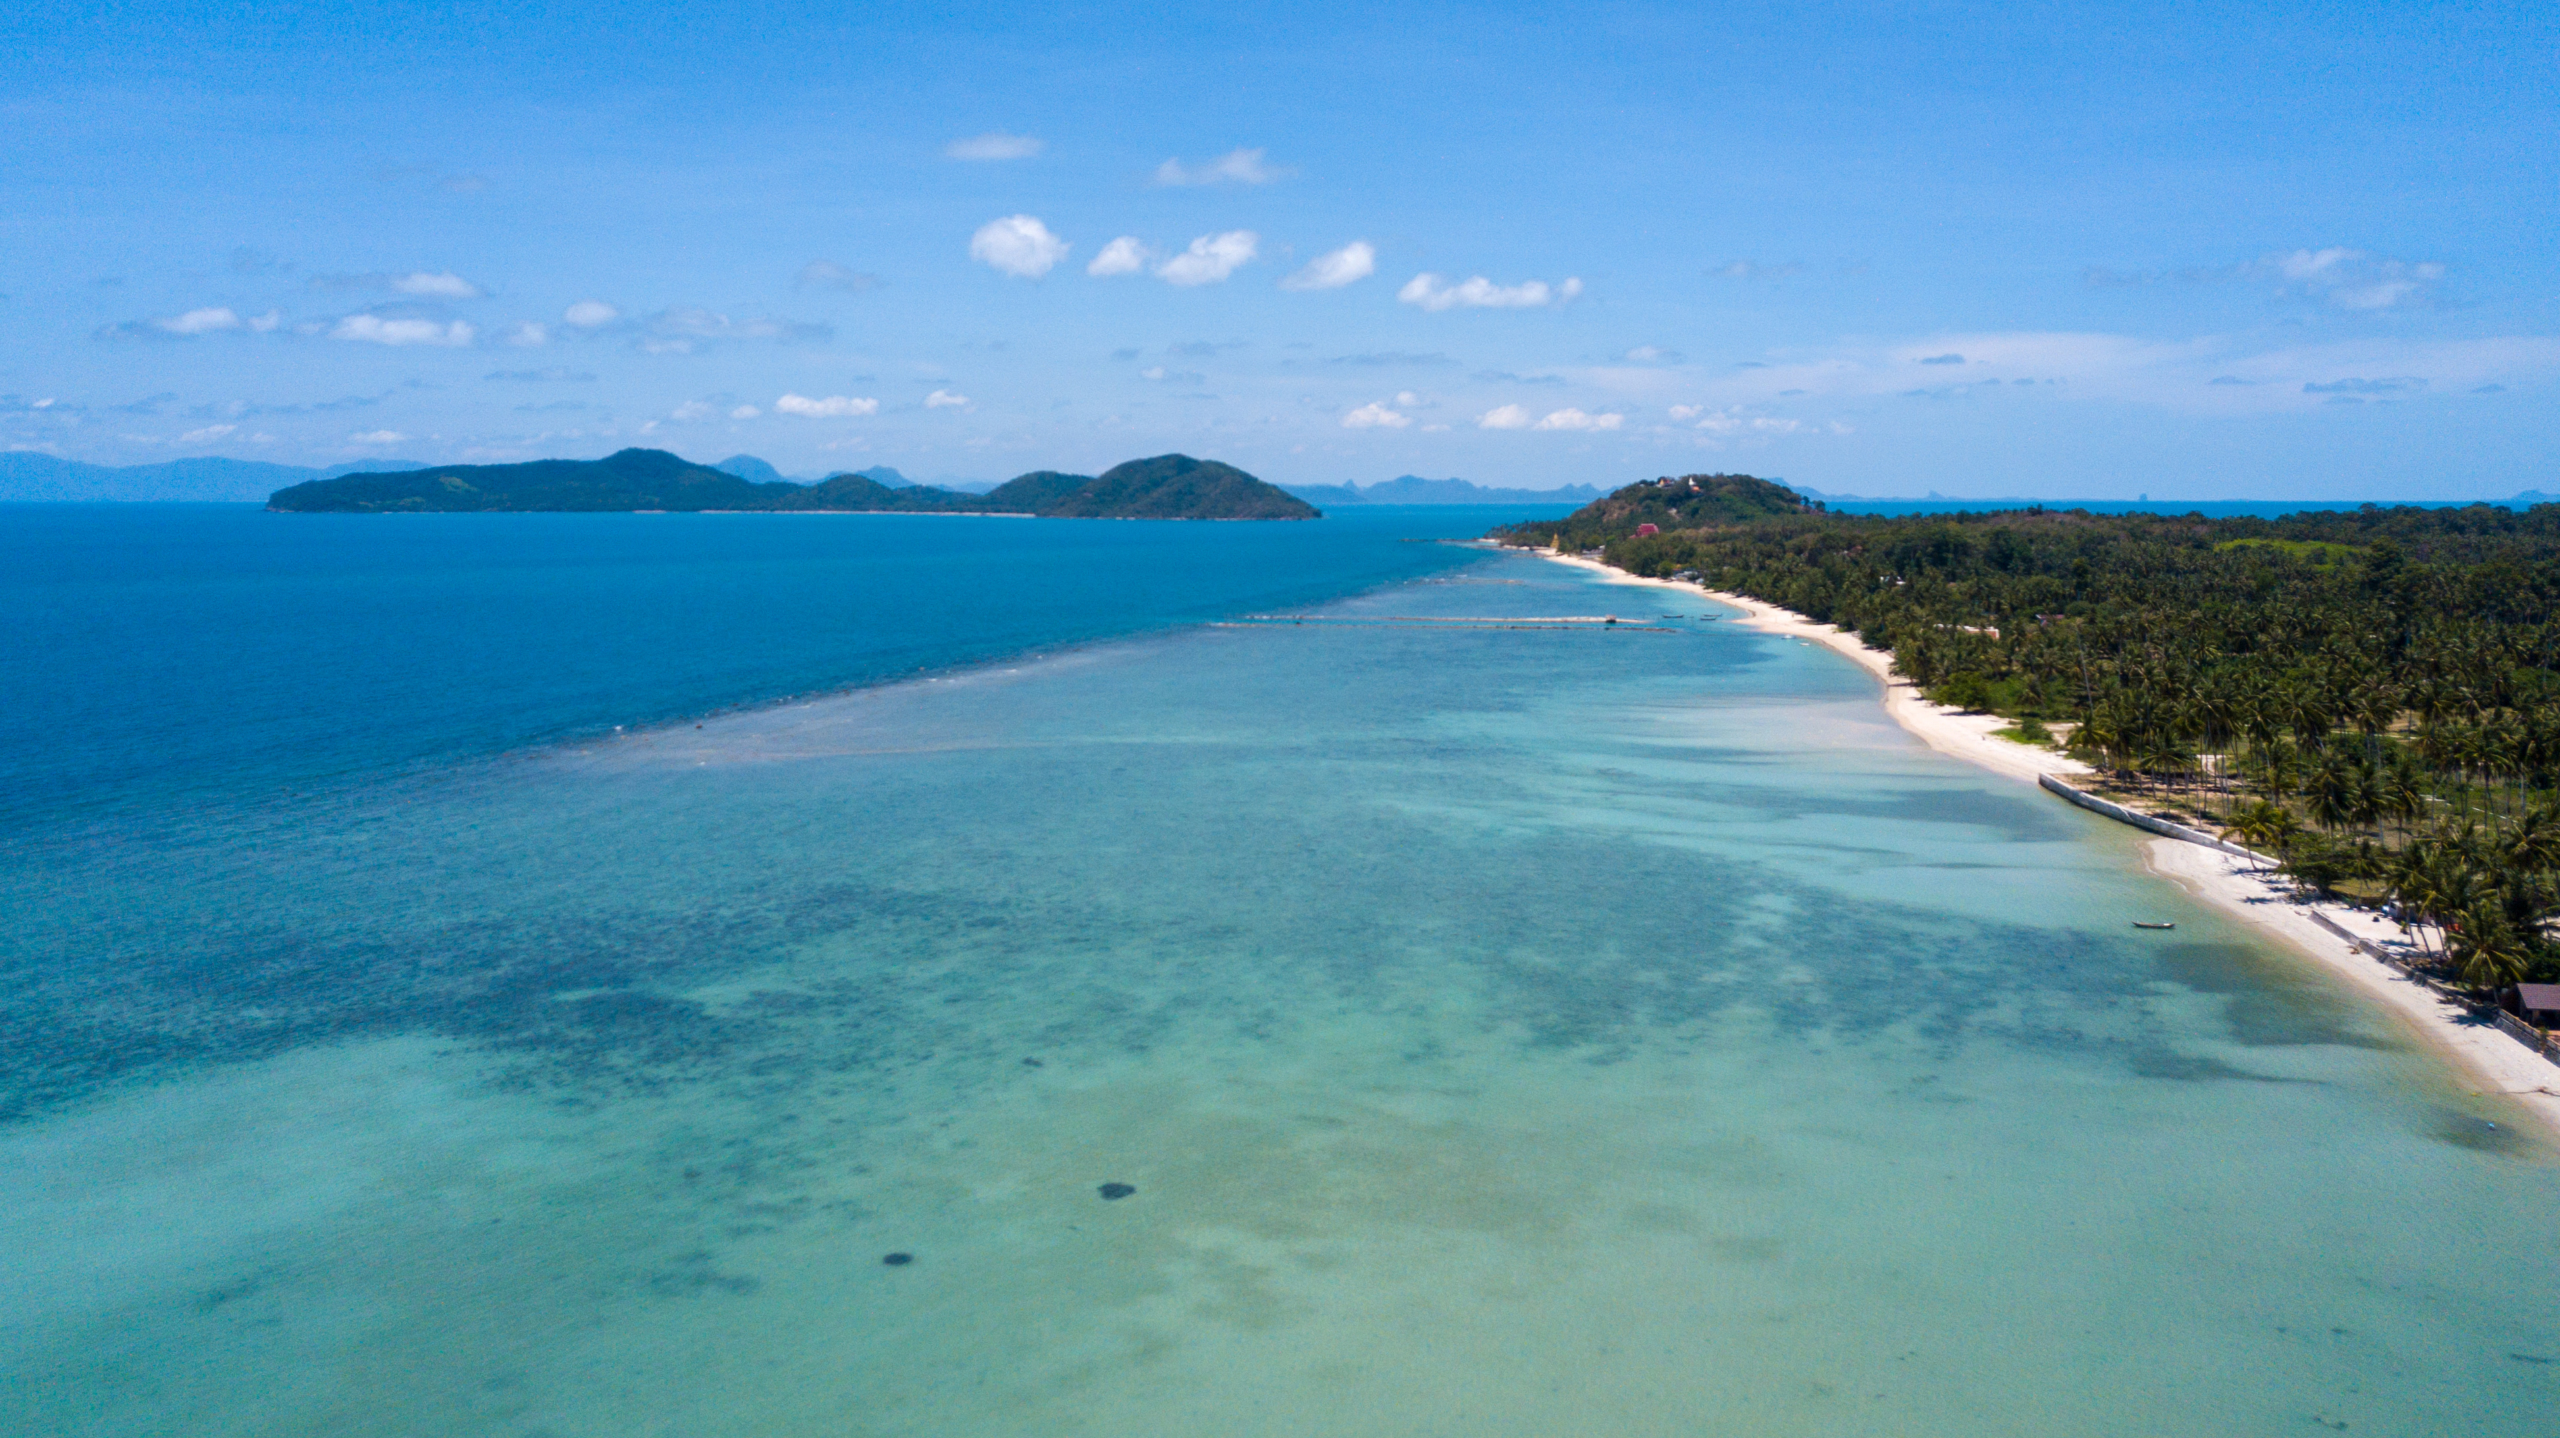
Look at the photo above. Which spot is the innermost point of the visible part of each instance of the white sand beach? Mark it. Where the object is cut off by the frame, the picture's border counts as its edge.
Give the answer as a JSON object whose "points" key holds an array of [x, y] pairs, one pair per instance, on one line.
{"points": [[2496, 1063]]}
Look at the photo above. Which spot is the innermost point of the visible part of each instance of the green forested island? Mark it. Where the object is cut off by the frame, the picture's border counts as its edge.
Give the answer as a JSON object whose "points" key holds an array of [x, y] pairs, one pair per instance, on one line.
{"points": [[2374, 694], [1171, 486]]}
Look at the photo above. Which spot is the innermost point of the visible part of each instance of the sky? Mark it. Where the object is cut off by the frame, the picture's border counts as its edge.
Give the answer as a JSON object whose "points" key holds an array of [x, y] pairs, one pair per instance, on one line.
{"points": [[2050, 251]]}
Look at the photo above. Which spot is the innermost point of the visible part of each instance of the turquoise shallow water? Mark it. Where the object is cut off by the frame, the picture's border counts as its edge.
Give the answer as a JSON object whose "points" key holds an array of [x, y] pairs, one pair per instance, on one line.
{"points": [[1505, 1031]]}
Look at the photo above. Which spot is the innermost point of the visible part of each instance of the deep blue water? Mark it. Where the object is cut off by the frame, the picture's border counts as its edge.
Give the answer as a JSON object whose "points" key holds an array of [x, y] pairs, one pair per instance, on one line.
{"points": [[165, 653]]}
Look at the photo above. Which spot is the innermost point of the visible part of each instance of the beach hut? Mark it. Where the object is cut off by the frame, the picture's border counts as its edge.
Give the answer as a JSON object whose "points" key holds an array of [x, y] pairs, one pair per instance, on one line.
{"points": [[2538, 1004]]}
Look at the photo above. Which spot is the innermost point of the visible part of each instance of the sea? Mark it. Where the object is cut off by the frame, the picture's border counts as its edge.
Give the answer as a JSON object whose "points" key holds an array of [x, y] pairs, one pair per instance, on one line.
{"points": [[914, 975]]}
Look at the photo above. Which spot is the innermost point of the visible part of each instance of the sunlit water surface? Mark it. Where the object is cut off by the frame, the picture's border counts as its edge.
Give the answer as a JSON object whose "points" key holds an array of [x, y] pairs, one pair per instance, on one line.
{"points": [[1505, 1031]]}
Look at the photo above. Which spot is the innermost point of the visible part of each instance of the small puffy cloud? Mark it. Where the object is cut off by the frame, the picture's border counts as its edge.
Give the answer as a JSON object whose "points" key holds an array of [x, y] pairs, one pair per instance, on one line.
{"points": [[691, 410], [1576, 419], [378, 436], [1123, 256], [1017, 245], [1943, 359], [266, 323], [1172, 376], [374, 329], [1432, 293], [591, 314], [834, 406], [1653, 354], [211, 320], [1243, 167], [994, 145], [945, 399], [828, 275], [1335, 268], [444, 285], [745, 411], [529, 335], [1375, 415], [1210, 258], [207, 434], [1509, 416], [1686, 411], [2351, 279]]}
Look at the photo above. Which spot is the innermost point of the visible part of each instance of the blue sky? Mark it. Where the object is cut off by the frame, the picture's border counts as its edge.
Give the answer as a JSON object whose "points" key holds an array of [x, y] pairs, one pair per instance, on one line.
{"points": [[2057, 251]]}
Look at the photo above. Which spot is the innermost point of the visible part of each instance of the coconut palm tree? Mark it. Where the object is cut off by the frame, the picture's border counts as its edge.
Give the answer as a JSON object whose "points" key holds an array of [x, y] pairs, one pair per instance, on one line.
{"points": [[2487, 953]]}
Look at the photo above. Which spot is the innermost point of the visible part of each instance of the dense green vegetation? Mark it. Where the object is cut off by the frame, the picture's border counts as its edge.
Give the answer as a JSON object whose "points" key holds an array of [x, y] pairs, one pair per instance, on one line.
{"points": [[2372, 694], [1172, 486]]}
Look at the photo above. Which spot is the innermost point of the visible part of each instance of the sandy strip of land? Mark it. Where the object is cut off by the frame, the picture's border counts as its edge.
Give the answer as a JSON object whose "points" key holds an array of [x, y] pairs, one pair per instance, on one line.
{"points": [[2494, 1062]]}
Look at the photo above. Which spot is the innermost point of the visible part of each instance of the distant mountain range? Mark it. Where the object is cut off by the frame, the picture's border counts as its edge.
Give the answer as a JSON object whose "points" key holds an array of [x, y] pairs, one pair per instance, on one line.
{"points": [[29, 477], [1171, 486], [1414, 489]]}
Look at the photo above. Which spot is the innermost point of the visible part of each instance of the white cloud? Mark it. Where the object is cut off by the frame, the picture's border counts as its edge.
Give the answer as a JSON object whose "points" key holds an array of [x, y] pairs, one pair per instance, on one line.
{"points": [[443, 286], [945, 399], [994, 145], [1684, 411], [745, 411], [1374, 415], [378, 436], [2352, 279], [1018, 245], [1653, 354], [374, 329], [1210, 258], [1123, 256], [1576, 419], [266, 323], [1245, 167], [200, 322], [1432, 293], [834, 406], [529, 335], [590, 314], [691, 410], [1509, 416], [209, 432], [1332, 270]]}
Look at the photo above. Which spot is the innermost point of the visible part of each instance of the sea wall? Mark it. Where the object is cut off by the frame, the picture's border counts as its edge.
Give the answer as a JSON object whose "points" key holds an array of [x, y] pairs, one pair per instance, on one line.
{"points": [[2139, 820]]}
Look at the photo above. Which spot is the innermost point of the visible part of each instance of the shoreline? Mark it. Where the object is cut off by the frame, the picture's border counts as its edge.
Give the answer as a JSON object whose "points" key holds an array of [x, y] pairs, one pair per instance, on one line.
{"points": [[2491, 1060]]}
